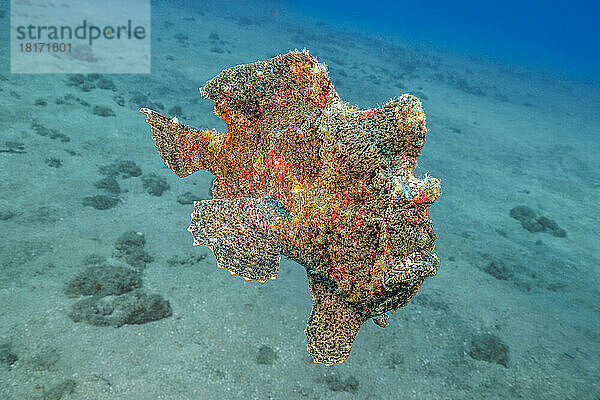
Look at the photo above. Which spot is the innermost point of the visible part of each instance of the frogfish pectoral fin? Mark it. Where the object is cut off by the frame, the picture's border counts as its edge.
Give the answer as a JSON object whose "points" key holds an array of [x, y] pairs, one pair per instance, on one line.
{"points": [[240, 234], [184, 149], [332, 325]]}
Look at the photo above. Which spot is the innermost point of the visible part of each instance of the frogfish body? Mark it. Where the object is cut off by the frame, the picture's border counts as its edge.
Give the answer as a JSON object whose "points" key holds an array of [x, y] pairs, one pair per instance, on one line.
{"points": [[301, 173]]}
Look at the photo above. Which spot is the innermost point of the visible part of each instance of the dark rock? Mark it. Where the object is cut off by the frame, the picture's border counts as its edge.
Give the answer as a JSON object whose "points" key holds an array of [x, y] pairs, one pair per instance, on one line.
{"points": [[532, 225], [53, 162], [41, 103], [105, 83], [431, 301], [266, 355], [93, 259], [187, 198], [109, 184], [134, 307], [337, 384], [551, 226], [556, 286], [119, 100], [216, 50], [130, 240], [109, 170], [213, 36], [130, 247], [498, 271], [175, 111], [547, 223], [6, 214], [14, 145], [245, 21], [87, 86], [128, 168], [44, 359], [351, 384], [104, 111], [530, 222], [46, 214], [82, 82], [60, 136], [125, 168], [94, 77], [102, 280], [154, 184], [100, 202], [522, 212], [57, 392], [7, 355], [70, 100], [490, 348], [177, 261], [394, 360], [181, 37], [12, 151], [76, 80], [138, 258], [466, 87], [142, 100], [41, 130]]}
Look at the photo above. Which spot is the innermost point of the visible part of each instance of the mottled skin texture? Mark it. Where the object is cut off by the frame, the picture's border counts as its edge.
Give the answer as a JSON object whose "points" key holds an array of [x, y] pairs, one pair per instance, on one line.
{"points": [[303, 174]]}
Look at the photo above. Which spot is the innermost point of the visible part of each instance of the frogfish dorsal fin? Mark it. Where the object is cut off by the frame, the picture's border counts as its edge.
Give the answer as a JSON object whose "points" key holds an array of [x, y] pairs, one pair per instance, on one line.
{"points": [[293, 81], [332, 325], [241, 234]]}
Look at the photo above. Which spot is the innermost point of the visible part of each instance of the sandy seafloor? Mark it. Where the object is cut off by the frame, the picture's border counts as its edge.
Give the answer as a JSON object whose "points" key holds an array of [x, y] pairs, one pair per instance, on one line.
{"points": [[500, 137]]}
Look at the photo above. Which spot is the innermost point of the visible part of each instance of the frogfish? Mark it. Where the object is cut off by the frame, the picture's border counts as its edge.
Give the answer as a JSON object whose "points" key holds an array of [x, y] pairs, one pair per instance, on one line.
{"points": [[303, 174]]}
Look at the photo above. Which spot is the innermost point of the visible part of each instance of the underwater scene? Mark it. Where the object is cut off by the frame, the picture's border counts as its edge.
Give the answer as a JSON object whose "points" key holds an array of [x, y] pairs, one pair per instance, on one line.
{"points": [[285, 199]]}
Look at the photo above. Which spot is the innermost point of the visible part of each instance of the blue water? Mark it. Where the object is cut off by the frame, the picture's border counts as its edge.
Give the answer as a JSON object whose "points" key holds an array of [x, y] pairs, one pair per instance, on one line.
{"points": [[511, 94], [558, 36]]}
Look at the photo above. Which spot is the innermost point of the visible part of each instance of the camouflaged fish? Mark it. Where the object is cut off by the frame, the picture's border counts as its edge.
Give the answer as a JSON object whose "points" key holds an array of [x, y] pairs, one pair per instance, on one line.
{"points": [[303, 174]]}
